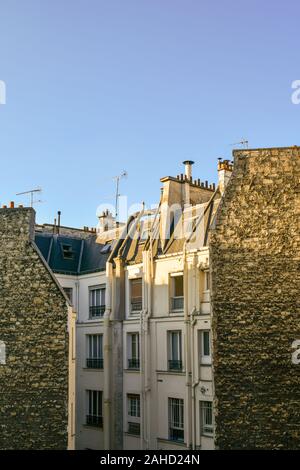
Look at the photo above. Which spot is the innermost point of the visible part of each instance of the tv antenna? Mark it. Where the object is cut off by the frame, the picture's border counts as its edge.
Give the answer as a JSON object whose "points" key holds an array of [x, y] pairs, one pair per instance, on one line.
{"points": [[117, 179], [243, 142], [31, 192]]}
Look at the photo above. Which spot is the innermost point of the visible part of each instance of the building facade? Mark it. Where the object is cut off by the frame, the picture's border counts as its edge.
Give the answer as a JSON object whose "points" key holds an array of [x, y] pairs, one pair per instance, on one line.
{"points": [[158, 380], [255, 256], [37, 343], [79, 265]]}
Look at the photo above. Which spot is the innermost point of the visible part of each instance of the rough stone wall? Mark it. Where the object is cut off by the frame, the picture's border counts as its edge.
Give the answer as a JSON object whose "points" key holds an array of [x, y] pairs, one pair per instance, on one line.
{"points": [[255, 258], [33, 325]]}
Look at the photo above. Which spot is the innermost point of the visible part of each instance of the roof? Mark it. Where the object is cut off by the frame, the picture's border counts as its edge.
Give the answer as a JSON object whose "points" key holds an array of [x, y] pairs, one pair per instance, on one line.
{"points": [[132, 251], [72, 255]]}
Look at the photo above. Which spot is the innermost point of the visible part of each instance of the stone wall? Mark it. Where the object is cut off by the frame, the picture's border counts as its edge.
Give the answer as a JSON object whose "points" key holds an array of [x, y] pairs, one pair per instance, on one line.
{"points": [[255, 258], [33, 326]]}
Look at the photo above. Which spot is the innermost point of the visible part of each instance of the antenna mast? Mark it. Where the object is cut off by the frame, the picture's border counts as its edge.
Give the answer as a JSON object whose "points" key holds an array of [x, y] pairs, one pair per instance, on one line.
{"points": [[31, 192], [243, 142], [124, 174]]}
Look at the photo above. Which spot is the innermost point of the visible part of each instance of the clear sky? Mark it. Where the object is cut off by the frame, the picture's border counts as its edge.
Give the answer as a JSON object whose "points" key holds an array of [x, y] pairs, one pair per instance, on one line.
{"points": [[98, 86]]}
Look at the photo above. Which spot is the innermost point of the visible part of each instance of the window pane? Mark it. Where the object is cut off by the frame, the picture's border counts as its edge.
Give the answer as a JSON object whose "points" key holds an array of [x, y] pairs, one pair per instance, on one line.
{"points": [[136, 288], [178, 286], [206, 343]]}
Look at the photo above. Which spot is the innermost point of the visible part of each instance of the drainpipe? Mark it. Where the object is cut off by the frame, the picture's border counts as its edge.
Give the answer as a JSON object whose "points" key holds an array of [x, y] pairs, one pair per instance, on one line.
{"points": [[193, 321], [194, 384], [142, 381], [187, 350], [107, 357]]}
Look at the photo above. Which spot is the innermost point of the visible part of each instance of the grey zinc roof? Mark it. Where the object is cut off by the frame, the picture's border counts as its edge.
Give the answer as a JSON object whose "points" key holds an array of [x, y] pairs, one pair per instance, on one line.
{"points": [[85, 254]]}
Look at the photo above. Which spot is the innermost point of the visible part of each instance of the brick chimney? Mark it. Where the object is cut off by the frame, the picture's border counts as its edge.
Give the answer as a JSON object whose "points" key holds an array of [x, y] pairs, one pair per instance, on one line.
{"points": [[225, 168]]}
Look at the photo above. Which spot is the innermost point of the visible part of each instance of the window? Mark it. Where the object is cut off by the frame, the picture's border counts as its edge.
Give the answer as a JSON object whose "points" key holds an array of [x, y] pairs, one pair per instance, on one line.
{"points": [[206, 280], [206, 418], [67, 251], [134, 406], [176, 292], [94, 408], [69, 293], [97, 301], [95, 352], [175, 354], [134, 428], [136, 296], [176, 422], [134, 414], [133, 351], [205, 347]]}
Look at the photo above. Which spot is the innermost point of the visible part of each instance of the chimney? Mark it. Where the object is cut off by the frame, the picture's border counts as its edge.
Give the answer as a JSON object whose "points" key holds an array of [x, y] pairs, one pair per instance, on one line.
{"points": [[188, 169], [58, 221], [106, 222], [225, 168]]}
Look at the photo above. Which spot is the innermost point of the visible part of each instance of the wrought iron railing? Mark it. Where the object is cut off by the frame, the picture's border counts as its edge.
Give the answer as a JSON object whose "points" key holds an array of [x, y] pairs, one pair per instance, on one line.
{"points": [[177, 303], [136, 305], [134, 428], [94, 363], [133, 363], [175, 365], [97, 311], [93, 420]]}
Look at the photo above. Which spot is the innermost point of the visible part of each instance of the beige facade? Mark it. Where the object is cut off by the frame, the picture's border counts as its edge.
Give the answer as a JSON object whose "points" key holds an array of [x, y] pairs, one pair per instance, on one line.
{"points": [[156, 379]]}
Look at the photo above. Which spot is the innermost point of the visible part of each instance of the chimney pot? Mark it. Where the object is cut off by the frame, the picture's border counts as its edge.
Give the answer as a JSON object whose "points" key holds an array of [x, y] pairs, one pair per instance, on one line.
{"points": [[12, 205], [188, 168]]}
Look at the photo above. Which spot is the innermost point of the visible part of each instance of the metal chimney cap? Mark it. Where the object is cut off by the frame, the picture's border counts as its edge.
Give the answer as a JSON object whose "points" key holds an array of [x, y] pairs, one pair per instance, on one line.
{"points": [[188, 162]]}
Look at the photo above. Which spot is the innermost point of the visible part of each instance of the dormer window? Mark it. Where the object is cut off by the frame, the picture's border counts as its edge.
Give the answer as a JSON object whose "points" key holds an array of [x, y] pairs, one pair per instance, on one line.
{"points": [[67, 251]]}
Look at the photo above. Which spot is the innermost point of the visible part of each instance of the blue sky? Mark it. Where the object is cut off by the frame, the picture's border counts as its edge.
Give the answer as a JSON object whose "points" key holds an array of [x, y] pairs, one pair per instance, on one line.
{"points": [[98, 86]]}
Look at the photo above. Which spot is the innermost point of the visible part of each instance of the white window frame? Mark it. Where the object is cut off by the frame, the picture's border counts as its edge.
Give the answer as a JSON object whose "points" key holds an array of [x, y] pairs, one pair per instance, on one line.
{"points": [[91, 396], [207, 429], [206, 281], [205, 359], [133, 348], [131, 281], [171, 355], [172, 292], [93, 300], [176, 416], [90, 350]]}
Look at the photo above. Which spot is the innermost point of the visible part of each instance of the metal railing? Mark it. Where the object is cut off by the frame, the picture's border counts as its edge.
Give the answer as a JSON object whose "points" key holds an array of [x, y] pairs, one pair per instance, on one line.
{"points": [[175, 365], [176, 434], [177, 303], [136, 305], [92, 420], [134, 428], [94, 363], [97, 311], [133, 363]]}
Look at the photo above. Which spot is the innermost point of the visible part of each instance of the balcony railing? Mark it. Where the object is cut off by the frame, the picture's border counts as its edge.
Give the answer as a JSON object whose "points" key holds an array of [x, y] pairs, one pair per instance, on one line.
{"points": [[133, 363], [134, 428], [136, 304], [176, 434], [177, 303], [94, 363], [92, 420], [97, 311], [175, 365]]}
